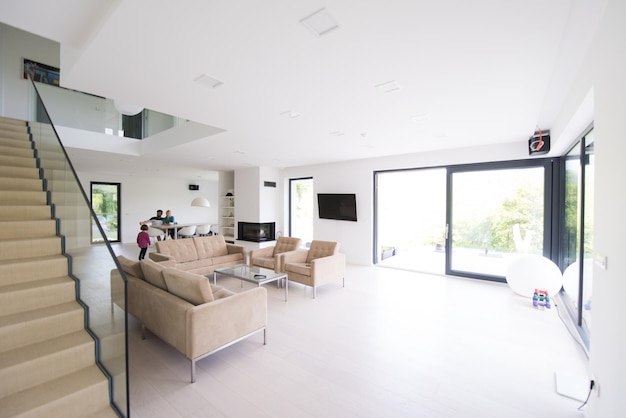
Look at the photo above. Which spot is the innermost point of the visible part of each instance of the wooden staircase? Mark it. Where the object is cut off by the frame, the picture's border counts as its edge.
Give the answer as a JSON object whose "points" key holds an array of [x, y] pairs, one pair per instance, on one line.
{"points": [[47, 359]]}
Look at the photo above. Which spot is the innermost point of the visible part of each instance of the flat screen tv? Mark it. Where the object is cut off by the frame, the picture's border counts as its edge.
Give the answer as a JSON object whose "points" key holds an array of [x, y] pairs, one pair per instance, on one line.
{"points": [[337, 206]]}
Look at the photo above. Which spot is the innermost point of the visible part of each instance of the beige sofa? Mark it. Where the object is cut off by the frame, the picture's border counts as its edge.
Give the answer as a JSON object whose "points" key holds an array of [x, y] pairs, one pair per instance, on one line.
{"points": [[186, 311], [320, 264], [273, 257], [200, 255]]}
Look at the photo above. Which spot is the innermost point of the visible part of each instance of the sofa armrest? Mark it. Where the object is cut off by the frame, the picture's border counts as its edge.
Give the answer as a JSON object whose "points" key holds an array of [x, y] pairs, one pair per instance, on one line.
{"points": [[261, 252], [215, 324], [329, 268], [234, 249], [297, 256]]}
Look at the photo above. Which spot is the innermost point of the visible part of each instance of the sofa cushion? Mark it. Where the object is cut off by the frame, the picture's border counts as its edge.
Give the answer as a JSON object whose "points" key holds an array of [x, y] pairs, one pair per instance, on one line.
{"points": [[300, 268], [321, 249], [192, 265], [284, 244], [182, 250], [211, 246], [130, 266], [191, 287], [227, 259], [153, 273], [220, 293], [265, 262]]}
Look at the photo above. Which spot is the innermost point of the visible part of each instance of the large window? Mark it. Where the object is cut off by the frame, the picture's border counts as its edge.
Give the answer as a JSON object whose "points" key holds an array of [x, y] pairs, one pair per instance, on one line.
{"points": [[105, 198]]}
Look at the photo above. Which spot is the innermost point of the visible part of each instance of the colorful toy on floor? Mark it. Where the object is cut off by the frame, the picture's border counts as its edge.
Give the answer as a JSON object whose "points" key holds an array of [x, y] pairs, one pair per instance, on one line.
{"points": [[541, 299]]}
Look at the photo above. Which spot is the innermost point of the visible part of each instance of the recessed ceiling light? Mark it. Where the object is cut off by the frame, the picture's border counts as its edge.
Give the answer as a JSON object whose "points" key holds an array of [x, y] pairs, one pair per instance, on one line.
{"points": [[388, 86], [208, 80], [320, 22]]}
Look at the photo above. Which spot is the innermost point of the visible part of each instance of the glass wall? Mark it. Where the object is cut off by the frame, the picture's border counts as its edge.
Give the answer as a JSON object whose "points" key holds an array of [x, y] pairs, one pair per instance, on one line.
{"points": [[577, 233]]}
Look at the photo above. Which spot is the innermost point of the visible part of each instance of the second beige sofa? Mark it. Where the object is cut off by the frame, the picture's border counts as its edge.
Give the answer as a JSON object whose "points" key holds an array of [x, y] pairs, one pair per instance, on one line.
{"points": [[199, 255]]}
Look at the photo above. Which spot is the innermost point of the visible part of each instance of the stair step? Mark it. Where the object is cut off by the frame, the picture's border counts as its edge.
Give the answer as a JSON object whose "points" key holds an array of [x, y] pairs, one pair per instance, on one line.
{"points": [[10, 123], [25, 328], [19, 172], [8, 183], [25, 212], [24, 248], [23, 271], [27, 229], [7, 141], [79, 394], [5, 120], [13, 161], [17, 197], [16, 134], [17, 152], [29, 366], [27, 296]]}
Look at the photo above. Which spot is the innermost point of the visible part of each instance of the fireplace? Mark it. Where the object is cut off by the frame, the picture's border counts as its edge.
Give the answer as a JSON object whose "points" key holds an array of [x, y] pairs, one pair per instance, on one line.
{"points": [[256, 232]]}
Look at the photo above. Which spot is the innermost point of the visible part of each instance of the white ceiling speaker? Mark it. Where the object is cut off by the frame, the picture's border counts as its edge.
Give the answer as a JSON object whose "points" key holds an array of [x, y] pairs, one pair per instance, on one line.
{"points": [[320, 22]]}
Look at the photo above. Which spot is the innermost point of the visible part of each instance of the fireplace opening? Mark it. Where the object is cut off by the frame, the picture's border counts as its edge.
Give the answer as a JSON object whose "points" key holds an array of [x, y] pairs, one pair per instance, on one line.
{"points": [[256, 232]]}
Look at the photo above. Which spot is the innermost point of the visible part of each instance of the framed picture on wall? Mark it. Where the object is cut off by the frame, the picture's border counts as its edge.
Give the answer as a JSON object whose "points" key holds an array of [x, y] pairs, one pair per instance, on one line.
{"points": [[39, 72]]}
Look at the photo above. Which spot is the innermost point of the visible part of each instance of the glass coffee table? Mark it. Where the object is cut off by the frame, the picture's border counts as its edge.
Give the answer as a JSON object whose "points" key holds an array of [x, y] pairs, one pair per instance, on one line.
{"points": [[252, 274]]}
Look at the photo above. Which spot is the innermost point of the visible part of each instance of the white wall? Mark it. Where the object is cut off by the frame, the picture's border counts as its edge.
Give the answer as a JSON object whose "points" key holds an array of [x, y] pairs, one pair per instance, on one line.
{"points": [[608, 334], [15, 45], [142, 196]]}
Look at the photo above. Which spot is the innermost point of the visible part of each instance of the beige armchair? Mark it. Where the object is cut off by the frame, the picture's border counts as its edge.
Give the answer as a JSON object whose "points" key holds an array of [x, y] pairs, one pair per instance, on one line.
{"points": [[318, 265], [272, 257]]}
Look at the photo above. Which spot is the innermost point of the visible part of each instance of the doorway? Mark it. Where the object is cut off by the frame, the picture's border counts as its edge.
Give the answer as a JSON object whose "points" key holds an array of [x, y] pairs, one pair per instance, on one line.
{"points": [[105, 202]]}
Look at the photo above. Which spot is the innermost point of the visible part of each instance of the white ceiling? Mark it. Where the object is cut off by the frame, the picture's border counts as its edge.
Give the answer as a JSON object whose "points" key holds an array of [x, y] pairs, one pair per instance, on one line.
{"points": [[483, 71]]}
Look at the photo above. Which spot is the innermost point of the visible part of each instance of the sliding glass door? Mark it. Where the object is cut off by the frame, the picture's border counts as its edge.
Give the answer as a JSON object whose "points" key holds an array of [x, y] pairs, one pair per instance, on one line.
{"points": [[410, 222], [469, 220], [496, 213]]}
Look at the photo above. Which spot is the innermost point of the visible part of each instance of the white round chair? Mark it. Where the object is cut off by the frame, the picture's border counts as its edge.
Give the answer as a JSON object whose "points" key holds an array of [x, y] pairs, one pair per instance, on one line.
{"points": [[203, 230], [187, 231], [530, 272]]}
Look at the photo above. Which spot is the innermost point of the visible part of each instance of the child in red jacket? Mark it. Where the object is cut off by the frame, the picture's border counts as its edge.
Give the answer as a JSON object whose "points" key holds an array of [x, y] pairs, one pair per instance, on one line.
{"points": [[143, 241]]}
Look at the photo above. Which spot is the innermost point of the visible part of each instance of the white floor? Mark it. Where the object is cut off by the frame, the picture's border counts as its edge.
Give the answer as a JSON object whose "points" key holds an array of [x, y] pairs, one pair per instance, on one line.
{"points": [[390, 344]]}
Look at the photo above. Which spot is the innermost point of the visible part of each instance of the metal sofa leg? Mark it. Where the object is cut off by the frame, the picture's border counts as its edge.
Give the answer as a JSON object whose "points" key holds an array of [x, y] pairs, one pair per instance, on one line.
{"points": [[193, 371]]}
